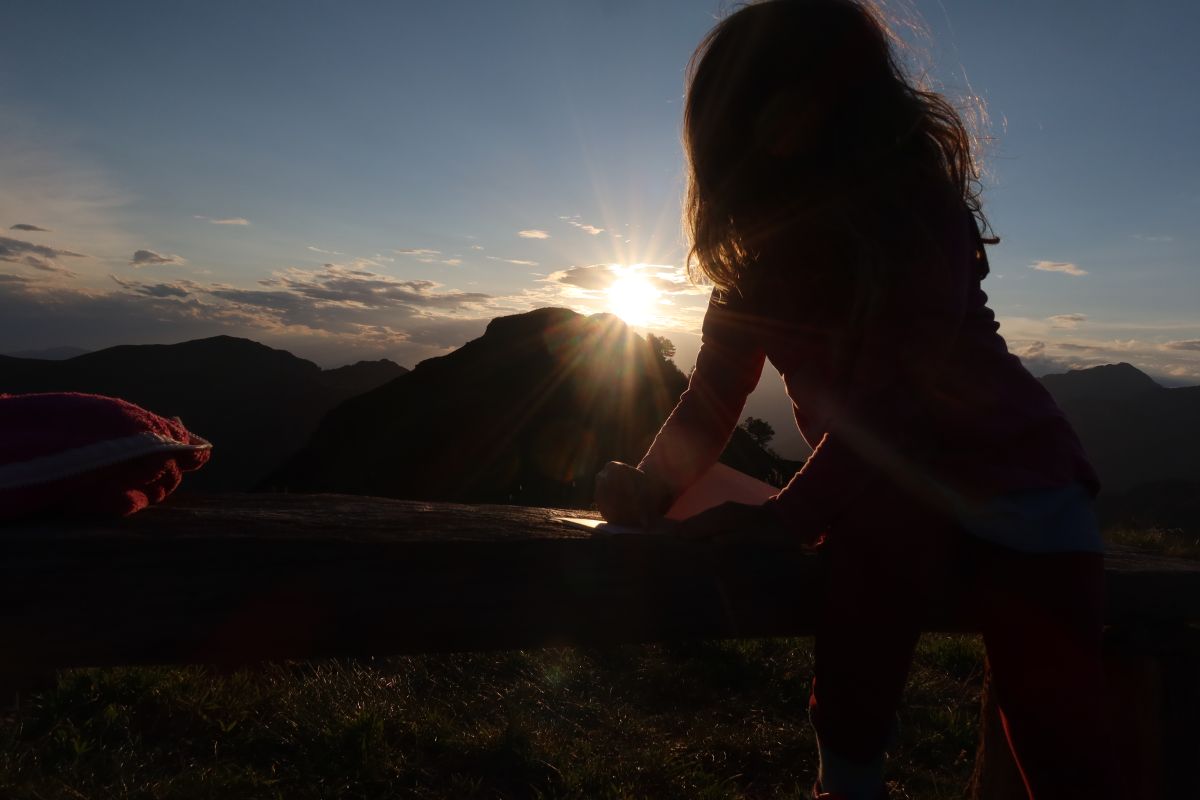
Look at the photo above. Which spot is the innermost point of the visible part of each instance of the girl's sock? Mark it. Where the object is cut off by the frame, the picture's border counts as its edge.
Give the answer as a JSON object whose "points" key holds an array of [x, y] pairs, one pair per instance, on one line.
{"points": [[848, 779]]}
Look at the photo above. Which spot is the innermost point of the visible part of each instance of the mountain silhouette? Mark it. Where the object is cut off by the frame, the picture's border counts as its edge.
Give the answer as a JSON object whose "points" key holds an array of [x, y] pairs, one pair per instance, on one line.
{"points": [[527, 413], [256, 404], [1143, 438], [1134, 430], [60, 353]]}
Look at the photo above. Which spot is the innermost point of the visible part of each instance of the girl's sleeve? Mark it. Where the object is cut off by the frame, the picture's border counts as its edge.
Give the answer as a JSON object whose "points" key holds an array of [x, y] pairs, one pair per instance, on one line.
{"points": [[872, 426], [728, 367]]}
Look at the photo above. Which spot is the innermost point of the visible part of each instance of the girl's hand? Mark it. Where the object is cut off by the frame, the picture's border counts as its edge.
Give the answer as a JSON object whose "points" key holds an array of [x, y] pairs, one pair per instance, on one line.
{"points": [[735, 521], [627, 496]]}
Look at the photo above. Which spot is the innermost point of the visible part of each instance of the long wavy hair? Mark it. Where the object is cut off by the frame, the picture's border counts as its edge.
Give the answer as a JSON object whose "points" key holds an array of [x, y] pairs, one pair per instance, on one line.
{"points": [[799, 110]]}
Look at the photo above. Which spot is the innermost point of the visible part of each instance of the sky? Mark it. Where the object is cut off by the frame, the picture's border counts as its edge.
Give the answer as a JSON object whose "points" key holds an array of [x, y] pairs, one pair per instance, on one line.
{"points": [[354, 180]]}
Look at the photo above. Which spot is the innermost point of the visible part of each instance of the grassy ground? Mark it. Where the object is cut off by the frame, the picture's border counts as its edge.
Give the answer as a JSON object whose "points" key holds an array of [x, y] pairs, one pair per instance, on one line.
{"points": [[1163, 541], [698, 720]]}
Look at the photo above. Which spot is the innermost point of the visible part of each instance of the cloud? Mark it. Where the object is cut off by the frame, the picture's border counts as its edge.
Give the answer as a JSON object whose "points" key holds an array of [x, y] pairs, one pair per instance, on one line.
{"points": [[575, 221], [149, 258], [336, 313], [519, 262], [176, 289], [533, 234], [1042, 355], [1037, 360], [598, 277], [316, 249], [1064, 267], [44, 176], [16, 249], [476, 247], [224, 220], [1157, 239], [426, 255], [1067, 320], [594, 277], [336, 284], [37, 256], [46, 265]]}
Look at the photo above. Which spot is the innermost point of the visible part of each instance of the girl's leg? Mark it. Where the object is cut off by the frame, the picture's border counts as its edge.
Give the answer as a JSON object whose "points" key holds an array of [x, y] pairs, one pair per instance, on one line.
{"points": [[881, 563], [862, 663], [1041, 616]]}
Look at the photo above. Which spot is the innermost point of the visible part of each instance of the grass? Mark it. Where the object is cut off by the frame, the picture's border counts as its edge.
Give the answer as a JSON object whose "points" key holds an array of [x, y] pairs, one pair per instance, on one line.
{"points": [[1173, 542], [709, 719]]}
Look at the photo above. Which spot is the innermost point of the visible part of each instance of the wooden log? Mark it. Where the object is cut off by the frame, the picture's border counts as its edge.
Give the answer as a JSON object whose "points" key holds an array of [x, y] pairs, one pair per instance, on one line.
{"points": [[228, 580], [238, 578], [241, 578]]}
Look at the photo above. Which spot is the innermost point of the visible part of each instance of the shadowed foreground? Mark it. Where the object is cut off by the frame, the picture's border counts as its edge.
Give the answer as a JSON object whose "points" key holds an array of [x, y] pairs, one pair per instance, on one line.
{"points": [[238, 579], [703, 719]]}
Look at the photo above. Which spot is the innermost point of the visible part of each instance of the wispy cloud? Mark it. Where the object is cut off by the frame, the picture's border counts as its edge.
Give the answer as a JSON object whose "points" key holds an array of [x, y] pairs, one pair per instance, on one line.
{"points": [[37, 256], [362, 288], [1158, 239], [1065, 267], [425, 255], [597, 277], [1067, 320], [1173, 360], [181, 288], [322, 251], [224, 220], [583, 226], [518, 261], [533, 234], [149, 258], [48, 184], [335, 313], [594, 277]]}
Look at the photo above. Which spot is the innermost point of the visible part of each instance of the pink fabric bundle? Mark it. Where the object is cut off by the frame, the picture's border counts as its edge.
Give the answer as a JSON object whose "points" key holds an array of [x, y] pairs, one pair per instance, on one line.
{"points": [[85, 454]]}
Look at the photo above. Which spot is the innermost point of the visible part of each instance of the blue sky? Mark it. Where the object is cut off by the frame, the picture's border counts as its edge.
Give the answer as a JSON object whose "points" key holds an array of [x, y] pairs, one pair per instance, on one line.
{"points": [[384, 158]]}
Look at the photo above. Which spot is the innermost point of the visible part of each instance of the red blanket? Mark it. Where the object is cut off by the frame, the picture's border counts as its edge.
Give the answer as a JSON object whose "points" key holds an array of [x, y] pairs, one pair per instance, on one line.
{"points": [[89, 455]]}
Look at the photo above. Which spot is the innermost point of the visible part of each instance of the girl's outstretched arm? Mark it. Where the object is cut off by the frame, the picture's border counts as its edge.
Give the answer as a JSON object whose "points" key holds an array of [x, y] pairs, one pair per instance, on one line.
{"points": [[728, 367]]}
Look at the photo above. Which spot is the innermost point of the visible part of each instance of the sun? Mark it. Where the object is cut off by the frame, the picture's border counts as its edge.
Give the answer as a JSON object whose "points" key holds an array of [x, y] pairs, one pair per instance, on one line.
{"points": [[632, 298]]}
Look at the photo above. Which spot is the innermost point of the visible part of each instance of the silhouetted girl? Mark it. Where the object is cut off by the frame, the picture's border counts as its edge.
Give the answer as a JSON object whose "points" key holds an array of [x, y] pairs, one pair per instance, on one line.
{"points": [[834, 205]]}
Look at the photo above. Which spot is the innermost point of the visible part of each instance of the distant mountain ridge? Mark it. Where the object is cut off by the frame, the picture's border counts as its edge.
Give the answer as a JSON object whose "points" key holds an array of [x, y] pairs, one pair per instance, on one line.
{"points": [[1143, 438], [60, 353], [526, 413], [1135, 431], [255, 403]]}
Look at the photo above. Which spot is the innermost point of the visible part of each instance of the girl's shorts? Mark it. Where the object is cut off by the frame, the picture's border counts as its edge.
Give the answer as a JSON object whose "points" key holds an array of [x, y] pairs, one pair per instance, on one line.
{"points": [[1060, 520]]}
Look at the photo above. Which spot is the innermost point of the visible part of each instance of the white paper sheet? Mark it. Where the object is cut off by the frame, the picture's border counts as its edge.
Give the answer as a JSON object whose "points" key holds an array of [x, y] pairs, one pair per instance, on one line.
{"points": [[721, 484]]}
